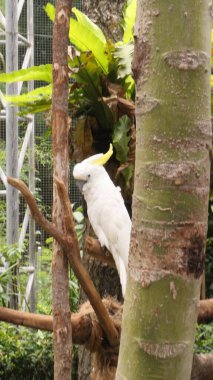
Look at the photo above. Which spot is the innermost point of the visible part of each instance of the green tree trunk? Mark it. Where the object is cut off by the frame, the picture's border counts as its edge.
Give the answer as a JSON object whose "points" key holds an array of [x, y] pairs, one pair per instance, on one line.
{"points": [[170, 203]]}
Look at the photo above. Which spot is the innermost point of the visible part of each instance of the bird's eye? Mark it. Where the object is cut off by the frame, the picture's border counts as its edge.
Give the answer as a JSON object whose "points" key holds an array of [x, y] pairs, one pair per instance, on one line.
{"points": [[88, 175]]}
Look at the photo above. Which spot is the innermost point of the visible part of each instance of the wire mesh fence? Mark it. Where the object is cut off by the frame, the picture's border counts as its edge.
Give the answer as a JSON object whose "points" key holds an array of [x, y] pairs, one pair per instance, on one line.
{"points": [[43, 148]]}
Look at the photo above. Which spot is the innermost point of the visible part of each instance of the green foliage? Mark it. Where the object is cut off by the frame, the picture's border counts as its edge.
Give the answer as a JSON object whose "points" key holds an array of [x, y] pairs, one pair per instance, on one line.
{"points": [[204, 339], [38, 100], [73, 292], [85, 35], [121, 138], [43, 150], [2, 219], [95, 64], [44, 281], [25, 354], [86, 93], [11, 254], [41, 73], [129, 20]]}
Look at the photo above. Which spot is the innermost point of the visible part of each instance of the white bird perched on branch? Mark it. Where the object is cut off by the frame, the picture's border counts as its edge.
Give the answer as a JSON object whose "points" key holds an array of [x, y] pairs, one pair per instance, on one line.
{"points": [[106, 210]]}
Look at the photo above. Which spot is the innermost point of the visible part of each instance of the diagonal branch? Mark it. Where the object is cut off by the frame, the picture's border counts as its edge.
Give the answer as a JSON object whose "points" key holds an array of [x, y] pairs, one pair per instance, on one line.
{"points": [[70, 246], [35, 212]]}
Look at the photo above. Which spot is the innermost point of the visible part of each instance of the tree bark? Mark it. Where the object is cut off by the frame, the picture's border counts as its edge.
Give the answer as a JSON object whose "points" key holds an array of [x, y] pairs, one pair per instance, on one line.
{"points": [[60, 282], [81, 323], [107, 15], [170, 201], [202, 367]]}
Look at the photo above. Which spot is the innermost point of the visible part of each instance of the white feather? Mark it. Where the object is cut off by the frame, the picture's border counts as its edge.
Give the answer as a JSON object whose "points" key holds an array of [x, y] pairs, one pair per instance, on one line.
{"points": [[107, 213]]}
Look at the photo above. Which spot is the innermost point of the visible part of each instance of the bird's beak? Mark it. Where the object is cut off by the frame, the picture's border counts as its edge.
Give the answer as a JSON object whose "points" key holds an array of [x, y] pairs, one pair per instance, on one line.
{"points": [[80, 184]]}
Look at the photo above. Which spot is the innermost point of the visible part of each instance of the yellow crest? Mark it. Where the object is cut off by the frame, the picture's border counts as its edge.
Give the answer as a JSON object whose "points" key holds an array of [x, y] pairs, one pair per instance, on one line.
{"points": [[104, 158]]}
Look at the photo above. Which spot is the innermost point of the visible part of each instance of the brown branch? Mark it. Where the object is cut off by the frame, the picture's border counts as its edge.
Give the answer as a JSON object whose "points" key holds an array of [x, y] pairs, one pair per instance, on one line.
{"points": [[83, 329], [205, 311], [71, 249], [94, 249], [81, 324]]}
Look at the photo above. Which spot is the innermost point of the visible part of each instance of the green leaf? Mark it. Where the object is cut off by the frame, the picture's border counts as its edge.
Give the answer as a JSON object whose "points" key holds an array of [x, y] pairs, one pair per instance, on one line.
{"points": [[127, 173], [50, 11], [89, 25], [86, 36], [129, 20], [129, 85], [85, 70], [41, 73], [38, 100], [39, 95], [121, 138]]}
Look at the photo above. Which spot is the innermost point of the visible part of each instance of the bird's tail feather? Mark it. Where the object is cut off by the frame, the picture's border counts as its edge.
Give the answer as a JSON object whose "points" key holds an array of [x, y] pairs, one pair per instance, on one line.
{"points": [[123, 275]]}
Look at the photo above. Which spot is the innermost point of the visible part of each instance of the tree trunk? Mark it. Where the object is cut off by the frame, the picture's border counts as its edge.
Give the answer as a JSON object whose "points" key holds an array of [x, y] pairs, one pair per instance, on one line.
{"points": [[170, 203], [60, 282], [106, 14]]}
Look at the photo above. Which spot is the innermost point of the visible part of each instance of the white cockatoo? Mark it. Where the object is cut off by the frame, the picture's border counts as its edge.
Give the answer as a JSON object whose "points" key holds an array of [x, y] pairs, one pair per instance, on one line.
{"points": [[106, 210]]}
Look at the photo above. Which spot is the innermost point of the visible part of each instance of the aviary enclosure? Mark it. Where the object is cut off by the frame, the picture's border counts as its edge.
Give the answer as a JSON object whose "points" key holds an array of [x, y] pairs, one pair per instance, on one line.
{"points": [[70, 87]]}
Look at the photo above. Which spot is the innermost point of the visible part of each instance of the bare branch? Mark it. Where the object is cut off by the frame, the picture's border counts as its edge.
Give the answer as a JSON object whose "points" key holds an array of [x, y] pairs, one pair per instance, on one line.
{"points": [[35, 212], [81, 324]]}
